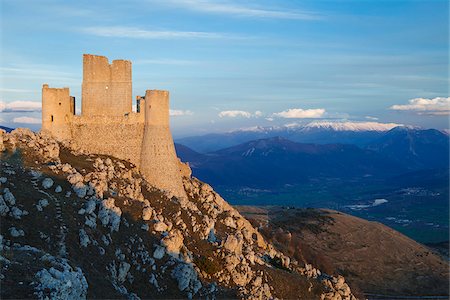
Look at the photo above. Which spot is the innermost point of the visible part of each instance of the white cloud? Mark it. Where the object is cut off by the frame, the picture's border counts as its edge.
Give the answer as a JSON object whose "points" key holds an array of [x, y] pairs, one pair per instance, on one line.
{"points": [[6, 90], [20, 106], [234, 114], [27, 120], [371, 118], [177, 112], [138, 33], [298, 113], [237, 9], [239, 113], [439, 106]]}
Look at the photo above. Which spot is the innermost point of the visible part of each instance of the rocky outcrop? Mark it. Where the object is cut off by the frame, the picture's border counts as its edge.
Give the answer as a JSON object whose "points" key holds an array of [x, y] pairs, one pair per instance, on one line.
{"points": [[145, 240]]}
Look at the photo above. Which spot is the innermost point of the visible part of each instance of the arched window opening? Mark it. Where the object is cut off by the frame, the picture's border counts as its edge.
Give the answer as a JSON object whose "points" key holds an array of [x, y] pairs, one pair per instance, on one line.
{"points": [[52, 118]]}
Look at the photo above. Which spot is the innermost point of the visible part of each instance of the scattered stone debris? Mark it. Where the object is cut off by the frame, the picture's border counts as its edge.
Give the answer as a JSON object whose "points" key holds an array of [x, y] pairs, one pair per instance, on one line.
{"points": [[137, 233]]}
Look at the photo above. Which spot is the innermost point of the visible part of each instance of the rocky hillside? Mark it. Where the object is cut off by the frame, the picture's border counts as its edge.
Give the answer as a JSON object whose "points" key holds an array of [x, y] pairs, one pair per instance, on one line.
{"points": [[77, 225], [374, 258]]}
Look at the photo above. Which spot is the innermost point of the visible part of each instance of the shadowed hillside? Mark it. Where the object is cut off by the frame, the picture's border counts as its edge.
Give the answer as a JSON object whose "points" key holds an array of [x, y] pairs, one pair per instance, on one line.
{"points": [[374, 258]]}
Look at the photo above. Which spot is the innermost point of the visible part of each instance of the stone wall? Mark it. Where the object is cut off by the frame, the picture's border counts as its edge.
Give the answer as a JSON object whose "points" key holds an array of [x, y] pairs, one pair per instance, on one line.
{"points": [[120, 137], [106, 88]]}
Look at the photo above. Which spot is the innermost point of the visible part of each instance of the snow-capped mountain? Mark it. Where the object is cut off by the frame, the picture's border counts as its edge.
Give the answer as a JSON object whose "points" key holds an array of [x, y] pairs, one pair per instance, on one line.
{"points": [[324, 125], [318, 132], [351, 126]]}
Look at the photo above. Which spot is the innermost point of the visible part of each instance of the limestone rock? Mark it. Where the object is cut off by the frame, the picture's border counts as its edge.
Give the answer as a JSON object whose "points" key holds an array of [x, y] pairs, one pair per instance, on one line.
{"points": [[160, 226], [173, 242], [187, 278], [61, 284], [109, 214], [41, 204], [123, 271], [14, 232], [84, 238], [4, 209], [47, 183], [229, 221], [159, 252], [233, 244], [9, 197], [17, 213], [80, 189], [147, 213], [75, 178]]}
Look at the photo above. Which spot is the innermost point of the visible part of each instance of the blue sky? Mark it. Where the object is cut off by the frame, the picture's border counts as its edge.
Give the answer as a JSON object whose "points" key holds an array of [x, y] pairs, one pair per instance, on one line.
{"points": [[231, 64]]}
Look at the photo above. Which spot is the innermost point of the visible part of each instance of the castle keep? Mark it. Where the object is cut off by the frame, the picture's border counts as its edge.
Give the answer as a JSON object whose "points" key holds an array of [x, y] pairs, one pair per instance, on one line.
{"points": [[107, 125]]}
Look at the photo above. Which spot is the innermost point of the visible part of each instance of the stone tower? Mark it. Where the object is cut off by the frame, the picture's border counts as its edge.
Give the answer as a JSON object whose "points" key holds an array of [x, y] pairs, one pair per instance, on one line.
{"points": [[58, 107], [159, 162], [106, 88]]}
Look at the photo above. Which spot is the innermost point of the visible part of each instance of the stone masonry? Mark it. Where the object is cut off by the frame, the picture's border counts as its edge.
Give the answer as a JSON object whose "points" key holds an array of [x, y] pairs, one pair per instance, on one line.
{"points": [[107, 125]]}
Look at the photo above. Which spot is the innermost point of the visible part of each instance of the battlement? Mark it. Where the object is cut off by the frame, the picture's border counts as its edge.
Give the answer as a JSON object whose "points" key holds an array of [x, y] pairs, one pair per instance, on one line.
{"points": [[108, 126], [157, 108], [106, 88], [57, 107]]}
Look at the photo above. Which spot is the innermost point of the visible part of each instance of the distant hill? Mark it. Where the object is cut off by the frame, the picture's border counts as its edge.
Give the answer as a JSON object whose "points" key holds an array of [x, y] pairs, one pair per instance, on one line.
{"points": [[7, 129], [277, 161], [357, 133], [187, 154], [414, 148]]}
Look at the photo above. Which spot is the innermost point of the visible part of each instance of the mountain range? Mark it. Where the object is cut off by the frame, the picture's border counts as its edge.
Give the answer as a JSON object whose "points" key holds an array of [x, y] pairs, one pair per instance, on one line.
{"points": [[318, 132], [278, 161]]}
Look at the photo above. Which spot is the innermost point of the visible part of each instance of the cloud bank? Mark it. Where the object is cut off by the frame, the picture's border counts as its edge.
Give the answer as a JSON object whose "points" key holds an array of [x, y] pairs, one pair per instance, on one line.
{"points": [[234, 114], [240, 113], [298, 113], [439, 106], [20, 106], [27, 120], [178, 112]]}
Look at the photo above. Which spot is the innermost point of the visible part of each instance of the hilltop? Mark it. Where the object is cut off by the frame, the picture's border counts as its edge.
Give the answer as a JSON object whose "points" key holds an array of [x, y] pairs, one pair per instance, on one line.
{"points": [[77, 225]]}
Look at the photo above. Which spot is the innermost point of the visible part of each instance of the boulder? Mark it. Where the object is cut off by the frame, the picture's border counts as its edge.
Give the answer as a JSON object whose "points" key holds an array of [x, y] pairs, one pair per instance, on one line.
{"points": [[159, 252], [147, 213], [186, 277], [47, 183], [173, 242]]}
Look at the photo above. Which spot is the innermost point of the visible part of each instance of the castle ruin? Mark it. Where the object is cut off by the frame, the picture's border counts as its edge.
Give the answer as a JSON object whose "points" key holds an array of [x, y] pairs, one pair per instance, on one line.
{"points": [[107, 125]]}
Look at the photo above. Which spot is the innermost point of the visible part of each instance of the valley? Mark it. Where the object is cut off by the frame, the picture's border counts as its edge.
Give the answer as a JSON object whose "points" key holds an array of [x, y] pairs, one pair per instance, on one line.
{"points": [[404, 171]]}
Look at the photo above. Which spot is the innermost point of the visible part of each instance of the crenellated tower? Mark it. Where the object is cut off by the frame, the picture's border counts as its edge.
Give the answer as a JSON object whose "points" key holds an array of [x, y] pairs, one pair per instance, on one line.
{"points": [[106, 88], [58, 107]]}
